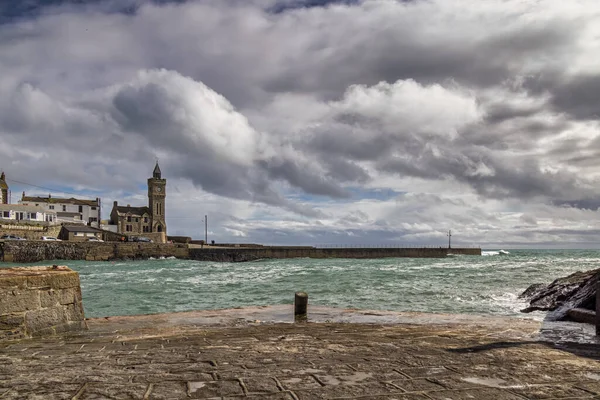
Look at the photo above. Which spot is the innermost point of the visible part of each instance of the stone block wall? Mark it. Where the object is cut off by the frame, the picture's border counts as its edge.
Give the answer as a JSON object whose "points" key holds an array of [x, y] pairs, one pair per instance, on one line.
{"points": [[249, 254], [38, 301], [22, 251], [29, 231]]}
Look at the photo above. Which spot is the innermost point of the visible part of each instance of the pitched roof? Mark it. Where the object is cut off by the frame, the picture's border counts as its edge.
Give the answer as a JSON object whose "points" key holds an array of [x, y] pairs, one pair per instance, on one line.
{"points": [[80, 228], [54, 200], [122, 210], [67, 214], [24, 208]]}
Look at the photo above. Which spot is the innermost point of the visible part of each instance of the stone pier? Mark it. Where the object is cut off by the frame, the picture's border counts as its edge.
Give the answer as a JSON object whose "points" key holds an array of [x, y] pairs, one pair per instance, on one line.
{"points": [[240, 354], [37, 301]]}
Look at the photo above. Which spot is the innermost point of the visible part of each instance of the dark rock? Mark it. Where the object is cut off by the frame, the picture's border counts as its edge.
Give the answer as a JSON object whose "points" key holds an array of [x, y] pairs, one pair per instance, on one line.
{"points": [[532, 290], [577, 290]]}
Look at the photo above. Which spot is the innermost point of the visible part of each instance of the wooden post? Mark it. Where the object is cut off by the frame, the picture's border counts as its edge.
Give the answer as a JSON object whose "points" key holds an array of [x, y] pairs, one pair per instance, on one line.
{"points": [[300, 305], [598, 307]]}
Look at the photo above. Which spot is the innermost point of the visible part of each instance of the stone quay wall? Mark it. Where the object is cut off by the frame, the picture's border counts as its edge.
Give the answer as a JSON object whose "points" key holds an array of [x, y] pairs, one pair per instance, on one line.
{"points": [[37, 301], [250, 254], [34, 251]]}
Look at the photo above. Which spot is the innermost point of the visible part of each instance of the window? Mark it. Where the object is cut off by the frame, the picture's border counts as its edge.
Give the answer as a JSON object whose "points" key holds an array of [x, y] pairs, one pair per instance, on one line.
{"points": [[128, 228], [137, 220], [64, 208], [146, 220], [51, 207], [6, 214], [33, 216], [93, 208], [80, 208], [93, 219], [146, 228], [37, 205], [78, 233], [129, 218]]}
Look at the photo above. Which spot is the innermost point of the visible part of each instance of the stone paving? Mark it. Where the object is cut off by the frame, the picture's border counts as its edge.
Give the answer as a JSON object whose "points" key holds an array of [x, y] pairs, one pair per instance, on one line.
{"points": [[156, 358]]}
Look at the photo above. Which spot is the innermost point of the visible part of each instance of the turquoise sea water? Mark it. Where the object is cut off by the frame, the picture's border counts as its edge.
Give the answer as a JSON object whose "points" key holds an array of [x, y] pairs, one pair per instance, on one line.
{"points": [[482, 285]]}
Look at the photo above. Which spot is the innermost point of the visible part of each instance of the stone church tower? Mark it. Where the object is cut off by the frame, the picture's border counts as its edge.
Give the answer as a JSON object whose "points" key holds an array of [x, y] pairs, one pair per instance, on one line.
{"points": [[3, 189], [156, 200]]}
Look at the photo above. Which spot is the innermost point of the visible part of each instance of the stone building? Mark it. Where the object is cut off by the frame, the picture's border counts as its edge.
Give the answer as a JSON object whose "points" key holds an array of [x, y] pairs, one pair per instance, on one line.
{"points": [[147, 220], [3, 189]]}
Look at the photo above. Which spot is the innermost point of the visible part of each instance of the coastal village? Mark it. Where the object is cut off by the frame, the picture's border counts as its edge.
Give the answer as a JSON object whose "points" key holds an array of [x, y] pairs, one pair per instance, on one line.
{"points": [[75, 219]]}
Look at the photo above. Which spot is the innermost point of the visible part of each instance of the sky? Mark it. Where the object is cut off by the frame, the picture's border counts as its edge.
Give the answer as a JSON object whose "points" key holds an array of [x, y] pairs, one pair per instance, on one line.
{"points": [[357, 122]]}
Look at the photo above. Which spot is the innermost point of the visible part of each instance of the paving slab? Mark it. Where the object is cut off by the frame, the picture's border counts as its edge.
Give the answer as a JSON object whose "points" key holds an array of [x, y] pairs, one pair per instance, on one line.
{"points": [[258, 353]]}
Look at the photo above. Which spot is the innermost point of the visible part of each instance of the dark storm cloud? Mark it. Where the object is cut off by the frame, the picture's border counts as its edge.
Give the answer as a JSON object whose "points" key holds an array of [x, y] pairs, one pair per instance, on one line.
{"points": [[303, 176], [498, 113], [286, 5], [579, 96], [11, 11], [401, 51], [344, 170]]}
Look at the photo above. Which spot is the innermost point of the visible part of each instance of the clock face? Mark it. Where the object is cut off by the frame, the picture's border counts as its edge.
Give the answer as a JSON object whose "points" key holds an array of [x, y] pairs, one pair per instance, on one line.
{"points": [[159, 189]]}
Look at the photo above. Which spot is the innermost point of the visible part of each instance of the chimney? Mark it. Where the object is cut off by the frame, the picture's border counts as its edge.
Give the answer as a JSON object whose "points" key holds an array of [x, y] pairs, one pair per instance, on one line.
{"points": [[114, 203], [23, 195]]}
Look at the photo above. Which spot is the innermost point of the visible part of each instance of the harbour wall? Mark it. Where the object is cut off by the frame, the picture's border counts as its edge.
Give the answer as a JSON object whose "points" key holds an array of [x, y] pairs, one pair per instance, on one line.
{"points": [[27, 251], [35, 251], [250, 254]]}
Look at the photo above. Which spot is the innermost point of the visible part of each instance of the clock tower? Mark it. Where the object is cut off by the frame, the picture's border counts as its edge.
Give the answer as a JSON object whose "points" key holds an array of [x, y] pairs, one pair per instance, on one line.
{"points": [[156, 200]]}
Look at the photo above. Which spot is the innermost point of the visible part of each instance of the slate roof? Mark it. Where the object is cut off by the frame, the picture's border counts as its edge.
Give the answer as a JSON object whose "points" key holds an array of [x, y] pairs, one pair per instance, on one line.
{"points": [[67, 214], [54, 200], [80, 228], [123, 210]]}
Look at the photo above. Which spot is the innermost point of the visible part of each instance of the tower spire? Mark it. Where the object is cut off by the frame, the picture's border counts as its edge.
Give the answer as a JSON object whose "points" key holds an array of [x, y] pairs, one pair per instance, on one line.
{"points": [[156, 174]]}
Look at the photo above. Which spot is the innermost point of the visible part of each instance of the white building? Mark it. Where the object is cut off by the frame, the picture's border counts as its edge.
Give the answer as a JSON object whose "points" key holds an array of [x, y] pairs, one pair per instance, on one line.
{"points": [[27, 213], [67, 210]]}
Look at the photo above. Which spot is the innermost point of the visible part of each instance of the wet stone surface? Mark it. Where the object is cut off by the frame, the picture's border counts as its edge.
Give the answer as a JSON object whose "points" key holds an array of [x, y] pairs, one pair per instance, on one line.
{"points": [[128, 359]]}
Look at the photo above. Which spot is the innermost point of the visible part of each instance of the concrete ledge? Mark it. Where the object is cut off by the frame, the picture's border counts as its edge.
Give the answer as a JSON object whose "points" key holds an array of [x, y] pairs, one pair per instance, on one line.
{"points": [[36, 301]]}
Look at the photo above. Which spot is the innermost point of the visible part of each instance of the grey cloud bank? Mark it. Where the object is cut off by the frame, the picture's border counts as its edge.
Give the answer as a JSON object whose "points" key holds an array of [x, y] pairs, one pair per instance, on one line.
{"points": [[482, 115]]}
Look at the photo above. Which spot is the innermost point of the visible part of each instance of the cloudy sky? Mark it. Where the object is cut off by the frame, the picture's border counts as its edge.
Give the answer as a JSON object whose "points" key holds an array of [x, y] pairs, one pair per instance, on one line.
{"points": [[314, 122]]}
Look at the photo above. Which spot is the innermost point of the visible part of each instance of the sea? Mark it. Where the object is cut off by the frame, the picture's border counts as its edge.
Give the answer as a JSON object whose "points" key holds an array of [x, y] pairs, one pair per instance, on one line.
{"points": [[489, 284]]}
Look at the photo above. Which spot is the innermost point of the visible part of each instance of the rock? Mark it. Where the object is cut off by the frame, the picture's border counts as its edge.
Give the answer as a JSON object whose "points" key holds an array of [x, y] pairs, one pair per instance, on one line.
{"points": [[532, 290], [577, 290]]}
